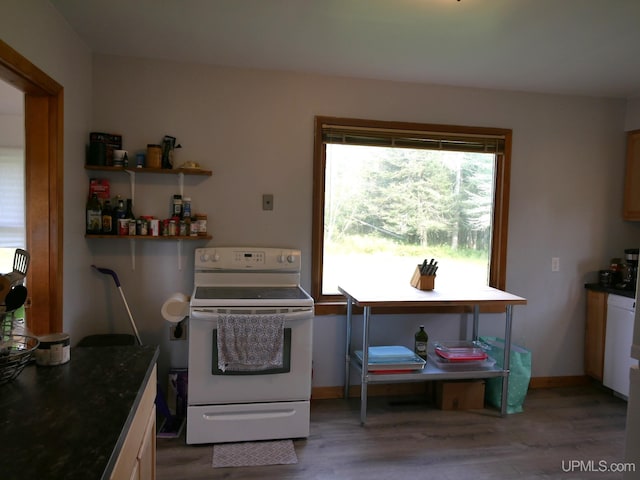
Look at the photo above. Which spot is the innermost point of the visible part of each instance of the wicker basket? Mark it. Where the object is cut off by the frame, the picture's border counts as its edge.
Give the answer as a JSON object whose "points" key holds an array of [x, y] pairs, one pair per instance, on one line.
{"points": [[15, 352]]}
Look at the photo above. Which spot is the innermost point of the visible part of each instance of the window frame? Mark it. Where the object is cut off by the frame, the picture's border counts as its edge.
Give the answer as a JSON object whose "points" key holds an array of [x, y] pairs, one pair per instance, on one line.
{"points": [[336, 304]]}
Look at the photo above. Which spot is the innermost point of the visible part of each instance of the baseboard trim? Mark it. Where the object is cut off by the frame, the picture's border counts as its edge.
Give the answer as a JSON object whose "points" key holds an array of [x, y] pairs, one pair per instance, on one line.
{"points": [[420, 388]]}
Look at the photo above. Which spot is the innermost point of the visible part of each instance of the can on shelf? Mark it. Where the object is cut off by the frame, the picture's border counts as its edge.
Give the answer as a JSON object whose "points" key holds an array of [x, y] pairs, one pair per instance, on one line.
{"points": [[123, 226], [154, 227]]}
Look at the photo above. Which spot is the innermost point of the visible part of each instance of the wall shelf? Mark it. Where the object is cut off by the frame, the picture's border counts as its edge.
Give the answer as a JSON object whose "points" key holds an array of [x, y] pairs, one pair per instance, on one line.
{"points": [[167, 171], [149, 237], [131, 171], [132, 242]]}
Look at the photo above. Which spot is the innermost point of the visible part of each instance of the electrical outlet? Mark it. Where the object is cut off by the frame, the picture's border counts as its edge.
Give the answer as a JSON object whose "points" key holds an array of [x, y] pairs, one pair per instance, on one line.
{"points": [[267, 201], [555, 264], [178, 331]]}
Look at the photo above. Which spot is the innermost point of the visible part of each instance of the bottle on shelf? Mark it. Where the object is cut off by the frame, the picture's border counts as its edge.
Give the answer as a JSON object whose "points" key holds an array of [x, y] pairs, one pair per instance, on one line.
{"points": [[108, 221], [176, 206], [130, 218], [186, 207], [94, 215], [421, 340], [128, 213], [122, 227]]}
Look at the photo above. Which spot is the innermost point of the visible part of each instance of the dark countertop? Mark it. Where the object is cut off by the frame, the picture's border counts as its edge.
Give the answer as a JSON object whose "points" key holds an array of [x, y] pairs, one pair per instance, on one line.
{"points": [[615, 291], [69, 421]]}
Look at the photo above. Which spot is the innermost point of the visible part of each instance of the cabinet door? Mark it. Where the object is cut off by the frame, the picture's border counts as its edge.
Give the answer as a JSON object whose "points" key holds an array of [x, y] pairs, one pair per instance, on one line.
{"points": [[595, 334], [631, 209], [137, 455], [147, 453]]}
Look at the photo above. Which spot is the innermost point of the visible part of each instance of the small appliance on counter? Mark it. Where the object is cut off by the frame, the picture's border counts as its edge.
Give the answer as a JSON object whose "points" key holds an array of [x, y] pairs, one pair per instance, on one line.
{"points": [[631, 273], [621, 274]]}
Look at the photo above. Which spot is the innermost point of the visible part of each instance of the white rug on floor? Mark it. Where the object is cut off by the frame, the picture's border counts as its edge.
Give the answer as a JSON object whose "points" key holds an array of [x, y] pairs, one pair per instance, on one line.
{"points": [[250, 454]]}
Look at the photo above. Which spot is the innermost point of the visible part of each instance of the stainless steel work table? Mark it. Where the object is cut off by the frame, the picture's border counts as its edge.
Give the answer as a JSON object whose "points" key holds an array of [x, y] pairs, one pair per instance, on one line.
{"points": [[378, 294]]}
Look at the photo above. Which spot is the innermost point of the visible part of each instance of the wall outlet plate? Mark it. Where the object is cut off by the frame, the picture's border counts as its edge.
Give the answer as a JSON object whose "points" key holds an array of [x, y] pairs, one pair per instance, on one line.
{"points": [[267, 201], [178, 331]]}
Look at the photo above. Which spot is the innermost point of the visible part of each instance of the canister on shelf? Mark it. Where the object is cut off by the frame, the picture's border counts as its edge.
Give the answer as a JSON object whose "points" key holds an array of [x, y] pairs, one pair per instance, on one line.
{"points": [[154, 156], [53, 349]]}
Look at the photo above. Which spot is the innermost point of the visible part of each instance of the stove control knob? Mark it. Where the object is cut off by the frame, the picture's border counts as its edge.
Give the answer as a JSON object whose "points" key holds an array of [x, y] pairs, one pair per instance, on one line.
{"points": [[291, 258], [204, 257], [215, 257], [281, 259]]}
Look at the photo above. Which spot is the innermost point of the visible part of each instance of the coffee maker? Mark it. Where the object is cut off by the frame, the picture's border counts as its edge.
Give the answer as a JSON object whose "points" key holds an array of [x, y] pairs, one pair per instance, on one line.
{"points": [[631, 262]]}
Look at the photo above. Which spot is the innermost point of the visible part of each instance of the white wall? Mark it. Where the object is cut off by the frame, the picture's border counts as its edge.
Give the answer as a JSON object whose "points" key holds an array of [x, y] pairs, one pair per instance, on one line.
{"points": [[254, 129], [36, 30], [632, 121]]}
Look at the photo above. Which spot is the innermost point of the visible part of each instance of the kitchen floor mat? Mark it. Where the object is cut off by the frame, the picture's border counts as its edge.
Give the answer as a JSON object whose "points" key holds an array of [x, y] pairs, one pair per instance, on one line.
{"points": [[250, 454]]}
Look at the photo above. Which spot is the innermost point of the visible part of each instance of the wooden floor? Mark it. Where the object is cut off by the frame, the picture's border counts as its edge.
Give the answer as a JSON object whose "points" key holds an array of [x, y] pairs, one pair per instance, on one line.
{"points": [[406, 438]]}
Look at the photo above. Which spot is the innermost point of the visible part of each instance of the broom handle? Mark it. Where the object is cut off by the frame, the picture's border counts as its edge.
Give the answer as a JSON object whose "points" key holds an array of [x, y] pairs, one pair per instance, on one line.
{"points": [[133, 324], [108, 271]]}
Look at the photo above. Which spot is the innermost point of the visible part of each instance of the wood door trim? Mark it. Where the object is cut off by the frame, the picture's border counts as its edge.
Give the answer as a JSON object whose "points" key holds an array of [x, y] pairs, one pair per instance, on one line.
{"points": [[44, 186]]}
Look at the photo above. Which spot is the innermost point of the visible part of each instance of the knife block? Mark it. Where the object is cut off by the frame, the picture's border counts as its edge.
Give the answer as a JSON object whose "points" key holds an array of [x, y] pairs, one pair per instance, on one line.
{"points": [[422, 282]]}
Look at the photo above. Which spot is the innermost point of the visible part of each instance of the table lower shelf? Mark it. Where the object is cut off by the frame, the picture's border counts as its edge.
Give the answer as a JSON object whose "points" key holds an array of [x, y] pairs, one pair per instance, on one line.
{"points": [[430, 372]]}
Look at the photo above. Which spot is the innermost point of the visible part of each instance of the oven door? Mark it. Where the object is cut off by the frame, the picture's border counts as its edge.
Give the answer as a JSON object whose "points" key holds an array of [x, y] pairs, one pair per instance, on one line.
{"points": [[208, 387]]}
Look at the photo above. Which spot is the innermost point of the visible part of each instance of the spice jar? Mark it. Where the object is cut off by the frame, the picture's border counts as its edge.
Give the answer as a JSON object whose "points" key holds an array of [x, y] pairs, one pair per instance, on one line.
{"points": [[202, 224]]}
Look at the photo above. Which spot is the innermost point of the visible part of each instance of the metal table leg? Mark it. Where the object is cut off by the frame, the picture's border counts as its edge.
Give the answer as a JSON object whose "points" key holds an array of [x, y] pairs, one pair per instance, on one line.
{"points": [[476, 318], [365, 364], [347, 359], [506, 360]]}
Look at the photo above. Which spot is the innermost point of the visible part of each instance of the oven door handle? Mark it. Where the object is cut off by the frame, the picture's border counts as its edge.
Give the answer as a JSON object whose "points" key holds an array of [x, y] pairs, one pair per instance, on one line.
{"points": [[200, 313]]}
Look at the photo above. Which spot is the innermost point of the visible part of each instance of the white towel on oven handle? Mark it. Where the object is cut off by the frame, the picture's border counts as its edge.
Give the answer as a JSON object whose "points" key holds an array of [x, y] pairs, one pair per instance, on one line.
{"points": [[250, 342]]}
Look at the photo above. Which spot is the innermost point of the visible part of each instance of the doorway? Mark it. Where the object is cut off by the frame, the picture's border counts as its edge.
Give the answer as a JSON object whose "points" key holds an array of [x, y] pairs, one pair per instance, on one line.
{"points": [[43, 142]]}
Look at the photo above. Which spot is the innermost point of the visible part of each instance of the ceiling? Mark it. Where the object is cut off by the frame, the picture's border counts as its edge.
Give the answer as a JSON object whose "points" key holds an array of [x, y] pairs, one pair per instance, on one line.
{"points": [[581, 47]]}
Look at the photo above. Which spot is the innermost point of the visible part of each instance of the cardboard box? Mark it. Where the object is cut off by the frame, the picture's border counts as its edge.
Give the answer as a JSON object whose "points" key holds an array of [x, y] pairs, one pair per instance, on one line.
{"points": [[101, 147], [101, 187], [460, 394]]}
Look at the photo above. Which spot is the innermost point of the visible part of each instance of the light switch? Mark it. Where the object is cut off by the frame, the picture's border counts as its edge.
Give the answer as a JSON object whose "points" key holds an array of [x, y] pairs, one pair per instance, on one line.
{"points": [[555, 264]]}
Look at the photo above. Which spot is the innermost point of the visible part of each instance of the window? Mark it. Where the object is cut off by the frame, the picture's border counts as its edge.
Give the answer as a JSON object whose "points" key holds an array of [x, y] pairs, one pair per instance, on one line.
{"points": [[387, 195], [12, 217]]}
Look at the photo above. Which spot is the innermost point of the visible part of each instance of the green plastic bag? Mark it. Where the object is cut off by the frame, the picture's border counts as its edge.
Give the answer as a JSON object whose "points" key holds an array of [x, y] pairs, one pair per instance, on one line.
{"points": [[519, 375]]}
